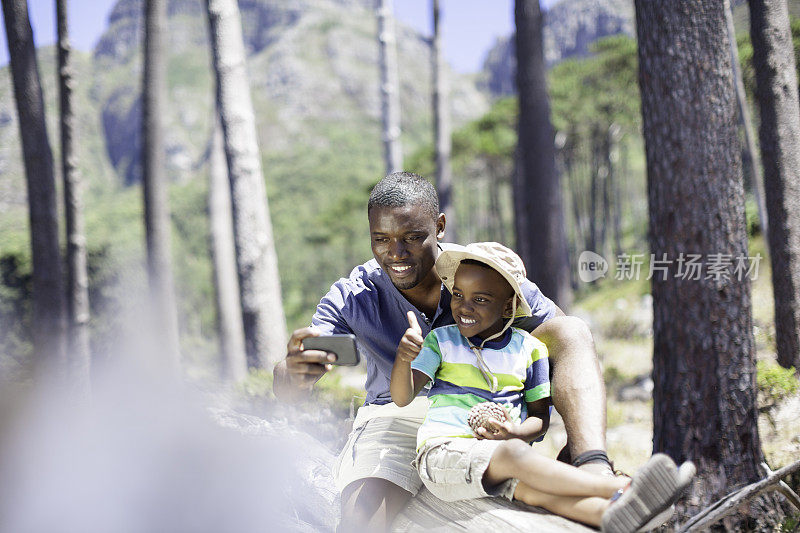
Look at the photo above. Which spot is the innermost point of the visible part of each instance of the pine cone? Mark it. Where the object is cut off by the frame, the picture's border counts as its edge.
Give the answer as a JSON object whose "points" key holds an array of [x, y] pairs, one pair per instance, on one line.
{"points": [[482, 412]]}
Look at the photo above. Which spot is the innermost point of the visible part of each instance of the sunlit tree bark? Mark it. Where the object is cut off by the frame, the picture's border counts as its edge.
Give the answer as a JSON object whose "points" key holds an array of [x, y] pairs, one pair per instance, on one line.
{"points": [[79, 352], [257, 262], [223, 255], [390, 87], [156, 200]]}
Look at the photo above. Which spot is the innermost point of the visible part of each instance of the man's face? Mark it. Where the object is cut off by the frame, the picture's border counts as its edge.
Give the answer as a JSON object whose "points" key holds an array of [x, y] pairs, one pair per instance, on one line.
{"points": [[480, 298], [404, 242]]}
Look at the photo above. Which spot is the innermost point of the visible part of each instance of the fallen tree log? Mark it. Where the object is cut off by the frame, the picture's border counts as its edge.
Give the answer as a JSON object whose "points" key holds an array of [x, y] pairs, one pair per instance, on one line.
{"points": [[316, 503]]}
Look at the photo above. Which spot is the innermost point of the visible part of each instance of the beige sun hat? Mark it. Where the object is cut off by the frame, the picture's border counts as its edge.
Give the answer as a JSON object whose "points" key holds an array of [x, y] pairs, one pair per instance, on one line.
{"points": [[494, 254]]}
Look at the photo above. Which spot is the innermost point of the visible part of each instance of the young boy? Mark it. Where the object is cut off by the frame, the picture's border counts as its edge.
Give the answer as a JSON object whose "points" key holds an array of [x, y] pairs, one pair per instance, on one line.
{"points": [[482, 359]]}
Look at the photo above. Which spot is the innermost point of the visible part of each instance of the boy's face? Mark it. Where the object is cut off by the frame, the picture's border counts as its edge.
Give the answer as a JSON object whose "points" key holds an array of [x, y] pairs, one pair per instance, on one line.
{"points": [[481, 296]]}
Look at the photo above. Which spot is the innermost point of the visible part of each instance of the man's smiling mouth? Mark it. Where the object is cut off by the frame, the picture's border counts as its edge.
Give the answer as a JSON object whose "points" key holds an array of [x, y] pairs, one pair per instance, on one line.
{"points": [[400, 269]]}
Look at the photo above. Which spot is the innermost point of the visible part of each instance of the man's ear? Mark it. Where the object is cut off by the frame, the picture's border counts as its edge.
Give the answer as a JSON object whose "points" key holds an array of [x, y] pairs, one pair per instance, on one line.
{"points": [[440, 224]]}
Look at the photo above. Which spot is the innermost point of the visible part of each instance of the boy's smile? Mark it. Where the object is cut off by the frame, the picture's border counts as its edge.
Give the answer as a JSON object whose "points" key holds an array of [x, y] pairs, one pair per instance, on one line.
{"points": [[481, 296]]}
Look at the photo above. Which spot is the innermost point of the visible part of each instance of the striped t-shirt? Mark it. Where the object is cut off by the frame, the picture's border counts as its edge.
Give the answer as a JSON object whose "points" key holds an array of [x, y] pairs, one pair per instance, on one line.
{"points": [[517, 359]]}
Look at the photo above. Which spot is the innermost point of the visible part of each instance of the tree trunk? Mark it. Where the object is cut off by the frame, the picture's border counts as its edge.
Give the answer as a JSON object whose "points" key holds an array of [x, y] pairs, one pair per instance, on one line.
{"points": [[48, 326], [753, 161], [256, 260], [774, 63], [441, 129], [154, 181], [79, 352], [614, 180], [390, 87], [539, 217], [703, 348], [223, 256], [594, 243]]}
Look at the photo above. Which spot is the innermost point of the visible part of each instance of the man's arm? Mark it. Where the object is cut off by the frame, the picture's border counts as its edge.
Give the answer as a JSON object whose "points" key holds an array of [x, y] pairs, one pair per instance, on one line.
{"points": [[578, 390]]}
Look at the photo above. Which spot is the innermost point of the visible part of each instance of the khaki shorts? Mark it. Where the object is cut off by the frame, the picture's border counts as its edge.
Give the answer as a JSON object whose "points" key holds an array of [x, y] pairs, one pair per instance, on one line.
{"points": [[382, 444], [452, 469]]}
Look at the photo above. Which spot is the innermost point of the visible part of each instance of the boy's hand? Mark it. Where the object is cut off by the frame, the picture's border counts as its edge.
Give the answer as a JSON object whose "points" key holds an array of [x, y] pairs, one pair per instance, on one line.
{"points": [[494, 429], [412, 340]]}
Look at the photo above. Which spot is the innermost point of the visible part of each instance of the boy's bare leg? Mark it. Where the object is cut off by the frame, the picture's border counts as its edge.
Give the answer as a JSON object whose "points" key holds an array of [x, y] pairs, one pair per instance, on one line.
{"points": [[516, 459], [588, 510], [579, 393], [371, 505]]}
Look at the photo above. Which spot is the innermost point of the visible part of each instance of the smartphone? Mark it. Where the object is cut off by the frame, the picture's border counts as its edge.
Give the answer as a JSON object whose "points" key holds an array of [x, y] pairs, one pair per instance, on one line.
{"points": [[343, 345]]}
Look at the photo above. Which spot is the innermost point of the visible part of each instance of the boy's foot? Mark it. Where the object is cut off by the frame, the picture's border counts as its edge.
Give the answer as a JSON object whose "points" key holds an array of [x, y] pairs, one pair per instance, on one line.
{"points": [[651, 494]]}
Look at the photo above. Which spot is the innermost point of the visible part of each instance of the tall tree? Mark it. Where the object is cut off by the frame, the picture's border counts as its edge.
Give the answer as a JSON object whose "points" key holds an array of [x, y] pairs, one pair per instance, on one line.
{"points": [[223, 256], [48, 321], [257, 262], [441, 126], [390, 87], [538, 213], [752, 162], [79, 352], [776, 82], [704, 399], [156, 201]]}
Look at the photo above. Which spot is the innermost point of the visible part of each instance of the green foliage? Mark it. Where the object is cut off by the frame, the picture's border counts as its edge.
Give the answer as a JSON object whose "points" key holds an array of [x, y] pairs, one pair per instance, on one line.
{"points": [[775, 382], [598, 90]]}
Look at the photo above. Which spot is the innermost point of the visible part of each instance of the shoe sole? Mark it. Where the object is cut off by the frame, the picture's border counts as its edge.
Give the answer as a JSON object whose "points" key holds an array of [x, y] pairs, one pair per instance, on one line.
{"points": [[653, 491]]}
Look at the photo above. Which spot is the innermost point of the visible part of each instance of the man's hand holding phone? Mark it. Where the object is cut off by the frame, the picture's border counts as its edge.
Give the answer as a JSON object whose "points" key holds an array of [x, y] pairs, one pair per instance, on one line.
{"points": [[305, 367]]}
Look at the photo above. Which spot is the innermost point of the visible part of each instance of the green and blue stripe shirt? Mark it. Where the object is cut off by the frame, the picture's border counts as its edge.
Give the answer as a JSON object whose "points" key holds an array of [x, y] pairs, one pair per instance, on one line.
{"points": [[517, 359]]}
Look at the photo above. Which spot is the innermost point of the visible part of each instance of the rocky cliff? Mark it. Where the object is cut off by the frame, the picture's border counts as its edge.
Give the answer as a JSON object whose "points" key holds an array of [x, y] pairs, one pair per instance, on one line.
{"points": [[571, 26]]}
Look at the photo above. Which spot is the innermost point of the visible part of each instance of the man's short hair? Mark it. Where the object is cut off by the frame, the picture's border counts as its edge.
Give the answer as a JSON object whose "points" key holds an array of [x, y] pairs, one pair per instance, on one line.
{"points": [[400, 189]]}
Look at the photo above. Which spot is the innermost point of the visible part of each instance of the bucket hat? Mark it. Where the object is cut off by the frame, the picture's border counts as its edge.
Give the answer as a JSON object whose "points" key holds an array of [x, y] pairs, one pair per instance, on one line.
{"points": [[494, 254]]}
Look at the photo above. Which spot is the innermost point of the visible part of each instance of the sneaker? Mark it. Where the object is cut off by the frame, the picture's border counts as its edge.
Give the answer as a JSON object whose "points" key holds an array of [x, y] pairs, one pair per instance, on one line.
{"points": [[648, 498]]}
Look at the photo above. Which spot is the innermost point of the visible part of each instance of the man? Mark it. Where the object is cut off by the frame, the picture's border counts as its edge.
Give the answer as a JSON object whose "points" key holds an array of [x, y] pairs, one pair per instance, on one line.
{"points": [[374, 470]]}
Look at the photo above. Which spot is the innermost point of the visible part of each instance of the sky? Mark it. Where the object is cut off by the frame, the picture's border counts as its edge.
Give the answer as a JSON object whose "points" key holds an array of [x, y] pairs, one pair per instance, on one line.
{"points": [[469, 27]]}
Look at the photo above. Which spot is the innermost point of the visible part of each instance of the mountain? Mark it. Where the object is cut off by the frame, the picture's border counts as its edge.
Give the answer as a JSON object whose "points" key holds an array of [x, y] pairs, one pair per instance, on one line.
{"points": [[570, 27]]}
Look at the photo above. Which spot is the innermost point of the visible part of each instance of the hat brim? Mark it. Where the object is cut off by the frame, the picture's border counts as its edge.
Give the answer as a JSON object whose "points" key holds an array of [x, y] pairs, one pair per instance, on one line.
{"points": [[447, 264]]}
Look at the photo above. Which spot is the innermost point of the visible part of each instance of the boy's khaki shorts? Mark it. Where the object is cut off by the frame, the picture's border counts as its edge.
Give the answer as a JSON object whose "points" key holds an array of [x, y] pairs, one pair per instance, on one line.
{"points": [[383, 444], [452, 469]]}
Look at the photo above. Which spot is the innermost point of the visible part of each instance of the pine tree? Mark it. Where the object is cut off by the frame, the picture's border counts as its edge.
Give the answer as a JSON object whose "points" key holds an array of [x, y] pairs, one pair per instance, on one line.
{"points": [[538, 213], [704, 400], [779, 133], [49, 311]]}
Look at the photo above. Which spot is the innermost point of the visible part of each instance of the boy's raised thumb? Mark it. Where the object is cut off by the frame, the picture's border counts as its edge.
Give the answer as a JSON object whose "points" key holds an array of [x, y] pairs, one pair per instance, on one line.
{"points": [[412, 322]]}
